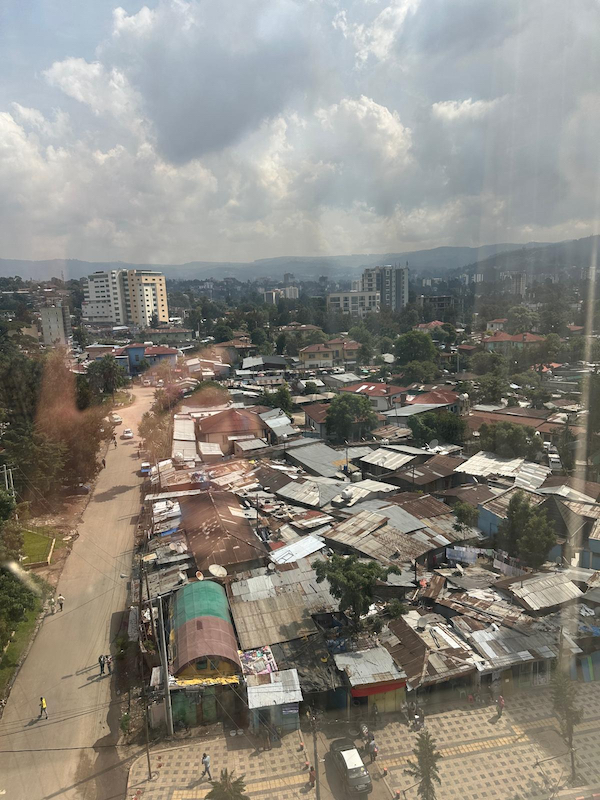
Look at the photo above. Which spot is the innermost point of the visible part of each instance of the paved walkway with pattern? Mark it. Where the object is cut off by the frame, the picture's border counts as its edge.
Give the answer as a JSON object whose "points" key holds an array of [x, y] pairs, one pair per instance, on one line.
{"points": [[519, 757]]}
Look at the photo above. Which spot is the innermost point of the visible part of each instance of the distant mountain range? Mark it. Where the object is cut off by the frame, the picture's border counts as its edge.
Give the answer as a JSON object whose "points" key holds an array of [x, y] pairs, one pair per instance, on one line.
{"points": [[424, 262], [548, 258]]}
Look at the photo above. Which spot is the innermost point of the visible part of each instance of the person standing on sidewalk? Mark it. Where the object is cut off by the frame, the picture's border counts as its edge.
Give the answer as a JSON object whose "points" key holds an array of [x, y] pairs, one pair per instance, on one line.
{"points": [[500, 704], [61, 601], [108, 662], [312, 777], [206, 765], [101, 660], [43, 708]]}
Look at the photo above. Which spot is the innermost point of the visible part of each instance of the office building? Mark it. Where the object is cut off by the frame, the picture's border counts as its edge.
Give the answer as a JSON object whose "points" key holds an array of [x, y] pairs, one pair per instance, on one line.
{"points": [[56, 325], [357, 304], [391, 283], [125, 297], [272, 296]]}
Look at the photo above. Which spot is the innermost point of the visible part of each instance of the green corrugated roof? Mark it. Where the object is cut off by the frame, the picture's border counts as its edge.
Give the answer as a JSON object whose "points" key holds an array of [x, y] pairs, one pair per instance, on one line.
{"points": [[201, 599]]}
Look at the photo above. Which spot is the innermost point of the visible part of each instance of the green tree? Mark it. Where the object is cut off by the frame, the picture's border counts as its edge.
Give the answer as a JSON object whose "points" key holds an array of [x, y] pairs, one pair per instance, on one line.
{"points": [[537, 538], [11, 542], [466, 515], [258, 337], [80, 336], [491, 389], [280, 344], [509, 530], [155, 430], [351, 581], [222, 333], [419, 372], [154, 321], [280, 398], [36, 459], [509, 440], [349, 416], [386, 345], [106, 375], [521, 319], [483, 363], [569, 713], [228, 787], [415, 346], [310, 387], [7, 505], [365, 353], [425, 769], [441, 425]]}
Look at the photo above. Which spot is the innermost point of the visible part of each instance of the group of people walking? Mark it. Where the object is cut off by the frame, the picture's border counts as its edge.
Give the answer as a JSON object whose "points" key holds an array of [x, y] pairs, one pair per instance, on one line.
{"points": [[60, 600], [105, 663]]}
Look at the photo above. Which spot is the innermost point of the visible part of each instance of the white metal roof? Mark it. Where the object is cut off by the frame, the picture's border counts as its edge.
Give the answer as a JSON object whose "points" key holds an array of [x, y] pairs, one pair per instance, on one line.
{"points": [[389, 459], [364, 667], [274, 689], [298, 549]]}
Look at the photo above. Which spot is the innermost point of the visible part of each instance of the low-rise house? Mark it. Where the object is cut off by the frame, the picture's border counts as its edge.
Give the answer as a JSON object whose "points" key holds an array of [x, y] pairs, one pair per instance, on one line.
{"points": [[541, 593], [495, 325], [501, 342], [382, 396], [373, 676], [438, 473], [231, 425]]}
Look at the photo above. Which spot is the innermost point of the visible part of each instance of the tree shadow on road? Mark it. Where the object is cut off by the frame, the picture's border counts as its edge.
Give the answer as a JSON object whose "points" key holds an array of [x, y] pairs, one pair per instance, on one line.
{"points": [[110, 494]]}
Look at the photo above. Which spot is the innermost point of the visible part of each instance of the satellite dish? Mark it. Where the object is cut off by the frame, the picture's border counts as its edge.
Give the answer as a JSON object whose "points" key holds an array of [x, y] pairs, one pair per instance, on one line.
{"points": [[271, 566], [200, 576], [217, 571], [433, 444]]}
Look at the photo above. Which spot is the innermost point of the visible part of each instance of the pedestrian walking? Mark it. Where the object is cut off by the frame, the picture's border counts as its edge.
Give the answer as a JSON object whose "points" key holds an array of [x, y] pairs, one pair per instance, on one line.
{"points": [[108, 660], [103, 463], [373, 750], [312, 777], [500, 705], [43, 708], [53, 604], [61, 601], [206, 765], [375, 714], [115, 443], [101, 662]]}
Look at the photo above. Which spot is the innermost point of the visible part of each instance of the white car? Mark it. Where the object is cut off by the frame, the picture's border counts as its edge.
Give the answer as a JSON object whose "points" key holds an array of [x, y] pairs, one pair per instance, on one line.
{"points": [[127, 434], [116, 419]]}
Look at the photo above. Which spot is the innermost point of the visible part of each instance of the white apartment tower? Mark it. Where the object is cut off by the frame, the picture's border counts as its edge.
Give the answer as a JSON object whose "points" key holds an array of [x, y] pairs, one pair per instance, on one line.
{"points": [[391, 283], [56, 325], [125, 296]]}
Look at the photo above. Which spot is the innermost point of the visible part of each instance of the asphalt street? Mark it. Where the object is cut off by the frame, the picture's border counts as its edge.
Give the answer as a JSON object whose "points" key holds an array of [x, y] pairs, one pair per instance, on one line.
{"points": [[72, 754]]}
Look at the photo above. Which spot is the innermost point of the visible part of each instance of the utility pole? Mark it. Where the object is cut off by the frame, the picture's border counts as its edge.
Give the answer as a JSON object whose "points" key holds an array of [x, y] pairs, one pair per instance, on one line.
{"points": [[313, 725], [144, 698], [165, 667]]}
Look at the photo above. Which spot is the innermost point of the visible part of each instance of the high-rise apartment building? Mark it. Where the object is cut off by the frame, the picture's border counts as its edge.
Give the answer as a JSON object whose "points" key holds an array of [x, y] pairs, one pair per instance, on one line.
{"points": [[125, 296], [357, 304], [56, 325], [391, 283]]}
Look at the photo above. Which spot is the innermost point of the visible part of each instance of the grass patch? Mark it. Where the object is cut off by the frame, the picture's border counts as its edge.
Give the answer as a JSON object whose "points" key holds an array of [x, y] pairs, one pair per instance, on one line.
{"points": [[36, 546], [19, 642]]}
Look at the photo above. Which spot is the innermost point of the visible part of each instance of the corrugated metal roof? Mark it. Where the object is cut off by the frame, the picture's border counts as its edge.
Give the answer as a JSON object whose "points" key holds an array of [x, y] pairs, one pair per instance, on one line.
{"points": [[499, 505], [369, 534], [299, 549], [543, 591], [184, 428], [502, 647], [366, 667], [387, 459], [274, 689], [310, 493], [485, 464]]}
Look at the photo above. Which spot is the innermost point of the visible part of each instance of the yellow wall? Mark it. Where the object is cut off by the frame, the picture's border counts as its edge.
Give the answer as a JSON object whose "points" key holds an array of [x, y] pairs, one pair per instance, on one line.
{"points": [[220, 668]]}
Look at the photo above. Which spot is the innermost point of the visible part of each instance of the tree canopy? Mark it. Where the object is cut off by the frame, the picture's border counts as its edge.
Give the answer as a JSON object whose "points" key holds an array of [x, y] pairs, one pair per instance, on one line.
{"points": [[351, 581], [526, 533], [228, 787], [509, 440], [349, 416], [415, 346], [441, 425], [425, 769], [106, 375]]}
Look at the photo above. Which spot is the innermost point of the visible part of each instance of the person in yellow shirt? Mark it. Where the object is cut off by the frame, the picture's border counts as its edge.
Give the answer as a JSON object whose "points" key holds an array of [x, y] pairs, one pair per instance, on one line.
{"points": [[43, 707]]}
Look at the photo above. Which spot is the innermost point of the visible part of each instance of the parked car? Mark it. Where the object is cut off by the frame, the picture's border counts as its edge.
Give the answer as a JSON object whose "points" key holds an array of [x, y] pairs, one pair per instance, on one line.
{"points": [[77, 489], [116, 419], [145, 468], [146, 382], [349, 764], [127, 434]]}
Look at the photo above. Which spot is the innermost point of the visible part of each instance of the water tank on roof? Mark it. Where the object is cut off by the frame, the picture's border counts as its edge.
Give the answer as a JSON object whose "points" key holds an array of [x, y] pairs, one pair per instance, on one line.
{"points": [[347, 494]]}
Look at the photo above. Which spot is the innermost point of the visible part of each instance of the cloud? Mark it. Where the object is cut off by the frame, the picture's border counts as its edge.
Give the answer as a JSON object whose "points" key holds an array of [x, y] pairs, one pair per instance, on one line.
{"points": [[202, 130], [458, 110]]}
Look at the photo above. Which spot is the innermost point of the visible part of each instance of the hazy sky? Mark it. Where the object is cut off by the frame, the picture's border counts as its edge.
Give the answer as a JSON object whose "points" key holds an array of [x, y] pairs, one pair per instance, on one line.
{"points": [[240, 129]]}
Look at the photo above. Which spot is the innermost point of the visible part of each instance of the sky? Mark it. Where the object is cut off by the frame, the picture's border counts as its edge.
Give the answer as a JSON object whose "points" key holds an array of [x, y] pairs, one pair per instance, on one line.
{"points": [[182, 131]]}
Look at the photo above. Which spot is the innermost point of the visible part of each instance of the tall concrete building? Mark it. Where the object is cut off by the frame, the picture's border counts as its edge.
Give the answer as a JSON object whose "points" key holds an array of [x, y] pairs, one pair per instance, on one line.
{"points": [[391, 283], [125, 296], [56, 325]]}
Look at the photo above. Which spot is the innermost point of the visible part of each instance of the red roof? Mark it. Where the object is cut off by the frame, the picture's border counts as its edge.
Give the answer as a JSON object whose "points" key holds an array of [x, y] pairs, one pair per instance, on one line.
{"points": [[346, 344], [501, 336], [317, 412], [160, 350], [574, 328], [316, 348], [429, 326], [500, 319], [433, 398], [373, 389], [232, 420]]}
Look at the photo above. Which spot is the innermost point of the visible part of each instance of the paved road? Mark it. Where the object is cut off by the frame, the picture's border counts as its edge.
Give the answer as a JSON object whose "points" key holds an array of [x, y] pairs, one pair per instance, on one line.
{"points": [[70, 755]]}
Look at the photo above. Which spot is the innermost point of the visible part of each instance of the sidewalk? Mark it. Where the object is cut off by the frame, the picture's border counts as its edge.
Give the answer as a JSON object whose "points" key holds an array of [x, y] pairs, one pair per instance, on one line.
{"points": [[483, 757]]}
